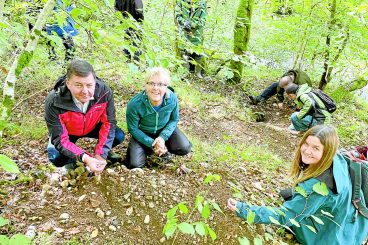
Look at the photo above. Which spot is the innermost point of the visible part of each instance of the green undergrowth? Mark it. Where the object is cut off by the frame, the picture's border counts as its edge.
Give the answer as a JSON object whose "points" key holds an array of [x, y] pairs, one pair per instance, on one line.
{"points": [[28, 127], [219, 154]]}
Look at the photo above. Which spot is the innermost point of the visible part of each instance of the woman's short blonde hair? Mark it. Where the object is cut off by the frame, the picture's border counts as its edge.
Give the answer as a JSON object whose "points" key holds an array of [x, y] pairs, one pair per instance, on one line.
{"points": [[154, 71], [330, 141]]}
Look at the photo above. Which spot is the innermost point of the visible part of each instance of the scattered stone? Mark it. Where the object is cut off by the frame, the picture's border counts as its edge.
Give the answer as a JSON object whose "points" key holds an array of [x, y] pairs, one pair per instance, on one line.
{"points": [[147, 219], [138, 171], [100, 213], [94, 202], [108, 213], [65, 183], [126, 196], [258, 186], [94, 233], [151, 205], [31, 231], [137, 229], [115, 222], [149, 197], [112, 228], [142, 204], [64, 216], [58, 230], [162, 240], [81, 198], [129, 211]]}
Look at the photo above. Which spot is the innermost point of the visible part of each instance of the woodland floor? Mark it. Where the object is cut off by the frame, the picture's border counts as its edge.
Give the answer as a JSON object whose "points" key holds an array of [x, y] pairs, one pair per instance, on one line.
{"points": [[127, 197]]}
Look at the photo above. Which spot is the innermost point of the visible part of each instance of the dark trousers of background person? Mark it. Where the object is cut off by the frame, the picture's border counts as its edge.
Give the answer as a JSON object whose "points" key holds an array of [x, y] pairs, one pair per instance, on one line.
{"points": [[135, 36], [193, 59], [60, 160], [69, 48], [177, 144], [271, 91]]}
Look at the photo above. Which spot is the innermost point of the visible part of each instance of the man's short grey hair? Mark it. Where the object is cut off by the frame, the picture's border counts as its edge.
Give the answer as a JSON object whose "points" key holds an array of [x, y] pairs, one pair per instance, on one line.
{"points": [[291, 88], [154, 71], [79, 68]]}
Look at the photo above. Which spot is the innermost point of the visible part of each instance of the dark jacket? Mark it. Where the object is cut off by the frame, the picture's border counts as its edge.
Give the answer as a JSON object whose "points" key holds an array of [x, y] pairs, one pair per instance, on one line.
{"points": [[303, 214], [64, 118], [142, 119], [132, 7], [191, 18]]}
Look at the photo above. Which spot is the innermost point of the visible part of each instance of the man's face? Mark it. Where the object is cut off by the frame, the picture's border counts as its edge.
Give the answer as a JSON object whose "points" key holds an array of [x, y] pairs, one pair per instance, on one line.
{"points": [[156, 89], [82, 88]]}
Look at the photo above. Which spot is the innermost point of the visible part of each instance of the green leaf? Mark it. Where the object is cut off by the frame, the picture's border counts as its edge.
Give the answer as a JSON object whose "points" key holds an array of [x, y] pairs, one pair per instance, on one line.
{"points": [[318, 220], [268, 237], [133, 69], [170, 229], [327, 214], [4, 240], [243, 241], [183, 208], [206, 211], [200, 229], [216, 206], [23, 61], [198, 202], [3, 221], [208, 179], [273, 220], [171, 213], [311, 228], [301, 191], [321, 188], [250, 217], [19, 239], [212, 233], [257, 241], [186, 228], [8, 164], [294, 222]]}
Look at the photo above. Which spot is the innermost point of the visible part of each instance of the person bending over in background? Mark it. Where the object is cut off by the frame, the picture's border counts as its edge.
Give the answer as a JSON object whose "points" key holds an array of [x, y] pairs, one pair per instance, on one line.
{"points": [[296, 76], [152, 117], [313, 110], [190, 18], [315, 160], [133, 8], [81, 105]]}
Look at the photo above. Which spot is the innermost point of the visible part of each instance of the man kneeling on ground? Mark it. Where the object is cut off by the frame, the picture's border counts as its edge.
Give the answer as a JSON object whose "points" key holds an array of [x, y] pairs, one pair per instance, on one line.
{"points": [[152, 117], [81, 105]]}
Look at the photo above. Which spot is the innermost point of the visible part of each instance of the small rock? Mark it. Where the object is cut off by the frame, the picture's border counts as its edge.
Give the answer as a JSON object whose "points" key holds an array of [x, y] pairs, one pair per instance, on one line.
{"points": [[138, 171], [108, 213], [151, 205], [129, 211], [31, 231], [65, 183], [258, 186], [147, 219], [162, 240], [142, 204], [149, 197], [112, 228], [100, 213], [81, 198], [64, 216], [94, 203], [94, 233], [115, 222]]}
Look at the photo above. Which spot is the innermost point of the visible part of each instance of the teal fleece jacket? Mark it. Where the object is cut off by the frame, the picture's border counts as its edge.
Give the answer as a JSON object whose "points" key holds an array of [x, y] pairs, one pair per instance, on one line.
{"points": [[340, 229], [142, 119]]}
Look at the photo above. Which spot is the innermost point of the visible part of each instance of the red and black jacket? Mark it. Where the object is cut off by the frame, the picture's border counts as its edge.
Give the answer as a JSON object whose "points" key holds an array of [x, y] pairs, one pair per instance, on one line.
{"points": [[64, 118]]}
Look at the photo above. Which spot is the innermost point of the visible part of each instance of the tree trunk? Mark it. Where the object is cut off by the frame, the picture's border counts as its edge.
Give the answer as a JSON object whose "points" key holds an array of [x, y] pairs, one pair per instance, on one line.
{"points": [[241, 37], [20, 62], [326, 75]]}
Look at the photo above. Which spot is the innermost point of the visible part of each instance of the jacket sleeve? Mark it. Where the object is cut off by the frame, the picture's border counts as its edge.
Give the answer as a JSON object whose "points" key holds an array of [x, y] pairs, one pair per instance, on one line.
{"points": [[298, 208], [59, 134], [173, 122], [106, 135], [133, 119], [199, 20], [307, 105]]}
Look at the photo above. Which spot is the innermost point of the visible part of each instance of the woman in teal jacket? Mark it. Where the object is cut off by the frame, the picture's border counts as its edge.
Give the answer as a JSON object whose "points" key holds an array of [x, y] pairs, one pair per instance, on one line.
{"points": [[318, 212], [152, 118]]}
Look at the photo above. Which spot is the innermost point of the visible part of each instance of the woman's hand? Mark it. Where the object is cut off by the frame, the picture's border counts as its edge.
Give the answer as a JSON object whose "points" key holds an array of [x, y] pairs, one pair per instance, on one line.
{"points": [[231, 204], [159, 146]]}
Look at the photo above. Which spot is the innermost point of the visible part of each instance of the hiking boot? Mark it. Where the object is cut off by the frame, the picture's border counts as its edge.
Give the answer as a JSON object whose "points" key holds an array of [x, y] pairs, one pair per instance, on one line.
{"points": [[113, 157], [253, 99]]}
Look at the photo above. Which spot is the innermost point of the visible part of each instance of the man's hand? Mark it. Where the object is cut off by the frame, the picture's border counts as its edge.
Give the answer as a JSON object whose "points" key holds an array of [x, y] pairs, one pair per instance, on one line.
{"points": [[159, 146], [95, 164], [231, 204]]}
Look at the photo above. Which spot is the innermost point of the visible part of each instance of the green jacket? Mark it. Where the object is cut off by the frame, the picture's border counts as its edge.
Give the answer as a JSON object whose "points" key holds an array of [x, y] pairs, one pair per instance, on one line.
{"points": [[300, 77], [142, 119], [309, 106], [340, 230], [193, 13]]}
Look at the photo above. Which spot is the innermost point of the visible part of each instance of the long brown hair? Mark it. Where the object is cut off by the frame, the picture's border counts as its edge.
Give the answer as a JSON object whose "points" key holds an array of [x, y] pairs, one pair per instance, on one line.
{"points": [[330, 141]]}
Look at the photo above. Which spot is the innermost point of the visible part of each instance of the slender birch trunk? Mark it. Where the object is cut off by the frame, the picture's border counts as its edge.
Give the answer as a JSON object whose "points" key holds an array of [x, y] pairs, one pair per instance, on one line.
{"points": [[20, 62]]}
